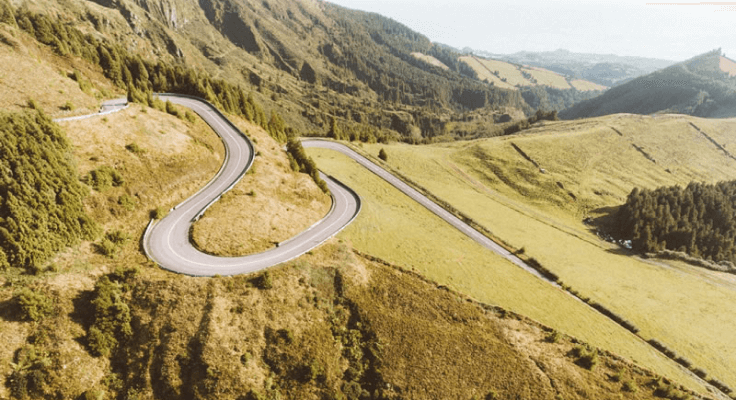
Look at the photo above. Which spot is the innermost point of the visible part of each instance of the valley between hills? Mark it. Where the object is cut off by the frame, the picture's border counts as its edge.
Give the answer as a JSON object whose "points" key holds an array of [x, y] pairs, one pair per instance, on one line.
{"points": [[398, 304]]}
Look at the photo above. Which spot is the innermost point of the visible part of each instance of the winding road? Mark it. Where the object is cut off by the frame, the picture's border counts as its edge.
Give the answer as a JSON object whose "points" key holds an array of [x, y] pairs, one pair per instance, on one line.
{"points": [[167, 242]]}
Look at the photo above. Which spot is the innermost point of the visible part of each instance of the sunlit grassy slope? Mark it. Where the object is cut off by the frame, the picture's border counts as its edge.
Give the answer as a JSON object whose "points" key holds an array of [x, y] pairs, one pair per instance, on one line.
{"points": [[395, 228], [590, 165], [508, 75], [429, 59]]}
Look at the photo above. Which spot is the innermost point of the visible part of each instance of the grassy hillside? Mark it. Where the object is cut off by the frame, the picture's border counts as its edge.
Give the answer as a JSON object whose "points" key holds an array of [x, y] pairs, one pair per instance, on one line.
{"points": [[540, 88], [602, 69], [312, 61], [570, 170], [272, 203], [703, 86], [100, 321], [395, 228]]}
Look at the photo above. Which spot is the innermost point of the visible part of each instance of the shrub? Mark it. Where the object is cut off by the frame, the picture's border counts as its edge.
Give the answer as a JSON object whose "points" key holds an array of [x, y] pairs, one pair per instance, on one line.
{"points": [[68, 106], [104, 177], [32, 104], [127, 202], [134, 148], [265, 281], [619, 376], [382, 155], [118, 237], [630, 386], [111, 318], [190, 117], [700, 373], [34, 305], [552, 337], [587, 357], [107, 248], [158, 213]]}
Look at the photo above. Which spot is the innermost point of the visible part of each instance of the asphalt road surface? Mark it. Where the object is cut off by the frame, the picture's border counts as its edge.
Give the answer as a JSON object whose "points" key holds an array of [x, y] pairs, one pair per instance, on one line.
{"points": [[167, 241], [426, 202]]}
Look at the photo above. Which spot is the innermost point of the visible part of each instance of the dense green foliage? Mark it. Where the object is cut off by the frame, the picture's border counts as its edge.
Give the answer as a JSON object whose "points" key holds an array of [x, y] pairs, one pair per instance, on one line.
{"points": [[104, 177], [377, 50], [699, 219], [301, 162], [31, 373], [33, 305], [41, 208], [112, 318]]}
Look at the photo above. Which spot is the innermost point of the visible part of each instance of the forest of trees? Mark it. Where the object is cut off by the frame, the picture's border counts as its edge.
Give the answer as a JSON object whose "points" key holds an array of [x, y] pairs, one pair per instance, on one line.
{"points": [[41, 208], [142, 78], [699, 220]]}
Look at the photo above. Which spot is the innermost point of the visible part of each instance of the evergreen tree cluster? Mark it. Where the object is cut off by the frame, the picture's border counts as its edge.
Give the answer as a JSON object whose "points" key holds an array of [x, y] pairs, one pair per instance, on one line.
{"points": [[301, 162], [377, 51], [41, 208], [143, 78], [699, 220]]}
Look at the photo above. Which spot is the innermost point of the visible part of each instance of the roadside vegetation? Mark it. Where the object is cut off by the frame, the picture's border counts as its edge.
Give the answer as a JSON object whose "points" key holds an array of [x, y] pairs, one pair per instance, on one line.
{"points": [[397, 229], [271, 204], [596, 162]]}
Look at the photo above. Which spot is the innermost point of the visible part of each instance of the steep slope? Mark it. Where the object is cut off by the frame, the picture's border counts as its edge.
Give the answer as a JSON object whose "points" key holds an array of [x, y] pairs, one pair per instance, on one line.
{"points": [[703, 86], [541, 88], [603, 69], [315, 62]]}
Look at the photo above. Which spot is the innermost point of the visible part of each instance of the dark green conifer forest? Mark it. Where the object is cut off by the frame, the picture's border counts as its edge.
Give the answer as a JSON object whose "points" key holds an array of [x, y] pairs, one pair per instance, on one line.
{"points": [[41, 208], [699, 219]]}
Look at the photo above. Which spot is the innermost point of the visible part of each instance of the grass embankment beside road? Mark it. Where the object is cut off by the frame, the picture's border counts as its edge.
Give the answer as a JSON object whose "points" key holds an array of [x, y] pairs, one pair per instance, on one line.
{"points": [[686, 308], [272, 203], [395, 228]]}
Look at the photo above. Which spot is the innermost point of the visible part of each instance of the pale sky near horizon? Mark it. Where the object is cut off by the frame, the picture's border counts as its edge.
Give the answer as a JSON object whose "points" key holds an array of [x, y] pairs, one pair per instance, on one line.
{"points": [[626, 28]]}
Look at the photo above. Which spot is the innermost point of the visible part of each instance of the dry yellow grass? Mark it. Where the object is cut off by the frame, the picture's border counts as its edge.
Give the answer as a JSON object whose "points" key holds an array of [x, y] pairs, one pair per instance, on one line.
{"points": [[484, 73], [728, 65], [30, 72], [547, 78], [395, 228], [585, 86], [684, 308], [270, 204], [430, 60], [508, 71]]}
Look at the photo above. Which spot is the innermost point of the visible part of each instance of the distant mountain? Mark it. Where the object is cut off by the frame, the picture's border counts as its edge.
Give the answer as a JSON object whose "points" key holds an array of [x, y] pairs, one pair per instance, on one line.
{"points": [[603, 69], [704, 86]]}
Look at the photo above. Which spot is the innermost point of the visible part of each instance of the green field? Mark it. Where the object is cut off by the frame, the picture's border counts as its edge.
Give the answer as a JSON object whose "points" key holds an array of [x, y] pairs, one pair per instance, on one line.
{"points": [[688, 309], [394, 227]]}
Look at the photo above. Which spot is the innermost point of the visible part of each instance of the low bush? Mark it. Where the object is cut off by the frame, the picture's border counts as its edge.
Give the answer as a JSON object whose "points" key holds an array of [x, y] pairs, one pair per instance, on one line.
{"points": [[134, 148], [630, 386], [158, 213], [265, 281], [103, 178], [587, 357], [552, 337], [127, 202], [34, 305], [112, 318]]}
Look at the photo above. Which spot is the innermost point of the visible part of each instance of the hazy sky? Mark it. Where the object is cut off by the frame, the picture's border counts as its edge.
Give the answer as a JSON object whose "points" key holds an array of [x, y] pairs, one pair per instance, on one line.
{"points": [[631, 28]]}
